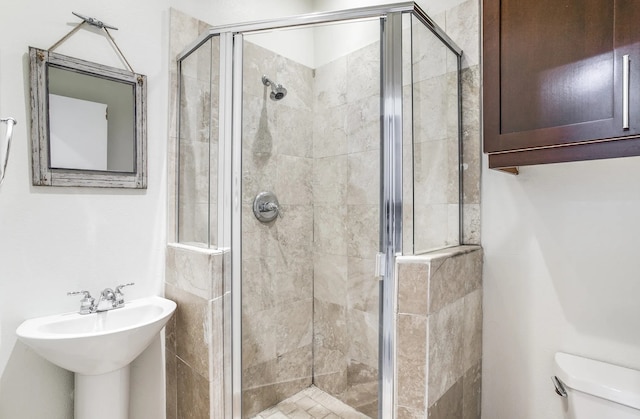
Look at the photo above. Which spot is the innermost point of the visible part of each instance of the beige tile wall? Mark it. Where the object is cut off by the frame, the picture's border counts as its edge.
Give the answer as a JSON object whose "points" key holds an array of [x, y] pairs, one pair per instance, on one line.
{"points": [[462, 23], [199, 131], [430, 149], [327, 181], [194, 279], [346, 193], [195, 335], [439, 334], [439, 319], [277, 259]]}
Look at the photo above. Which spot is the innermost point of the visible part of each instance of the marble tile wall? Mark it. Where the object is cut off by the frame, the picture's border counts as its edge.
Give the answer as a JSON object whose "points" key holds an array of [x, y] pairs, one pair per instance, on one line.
{"points": [[198, 148], [431, 186], [277, 258], [195, 336], [462, 24], [183, 29], [433, 74], [346, 191], [439, 318], [196, 279], [439, 334], [195, 100]]}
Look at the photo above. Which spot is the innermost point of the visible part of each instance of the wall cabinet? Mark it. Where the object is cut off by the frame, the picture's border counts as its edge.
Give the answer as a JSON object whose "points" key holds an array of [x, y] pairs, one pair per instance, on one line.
{"points": [[561, 80]]}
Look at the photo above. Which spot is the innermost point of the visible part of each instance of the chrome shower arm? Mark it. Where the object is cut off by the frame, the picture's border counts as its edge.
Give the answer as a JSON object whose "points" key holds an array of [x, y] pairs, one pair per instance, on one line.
{"points": [[268, 82]]}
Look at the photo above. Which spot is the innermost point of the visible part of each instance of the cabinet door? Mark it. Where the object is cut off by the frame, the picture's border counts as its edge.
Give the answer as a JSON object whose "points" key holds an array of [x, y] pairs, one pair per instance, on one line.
{"points": [[553, 72]]}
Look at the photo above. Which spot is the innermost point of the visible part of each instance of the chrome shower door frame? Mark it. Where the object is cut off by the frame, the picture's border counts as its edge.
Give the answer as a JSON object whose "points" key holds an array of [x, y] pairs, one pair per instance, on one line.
{"points": [[230, 178], [390, 201], [236, 231]]}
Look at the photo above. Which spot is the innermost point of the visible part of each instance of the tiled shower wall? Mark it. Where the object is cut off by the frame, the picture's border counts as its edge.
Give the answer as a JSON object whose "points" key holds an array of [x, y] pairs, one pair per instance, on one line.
{"points": [[309, 275], [195, 335], [277, 259], [431, 135], [194, 278], [439, 318], [439, 334], [346, 196], [199, 132], [462, 24]]}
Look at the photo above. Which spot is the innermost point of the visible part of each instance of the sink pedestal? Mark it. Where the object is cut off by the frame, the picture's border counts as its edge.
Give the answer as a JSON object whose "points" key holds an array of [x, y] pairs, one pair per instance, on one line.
{"points": [[104, 396], [99, 347]]}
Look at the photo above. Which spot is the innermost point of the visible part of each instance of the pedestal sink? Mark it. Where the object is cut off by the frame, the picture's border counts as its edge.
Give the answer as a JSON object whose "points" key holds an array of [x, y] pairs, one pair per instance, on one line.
{"points": [[98, 348]]}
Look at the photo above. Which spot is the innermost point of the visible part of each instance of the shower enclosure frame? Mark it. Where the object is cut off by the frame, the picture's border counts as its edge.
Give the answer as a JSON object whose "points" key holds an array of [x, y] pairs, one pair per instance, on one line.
{"points": [[230, 168]]}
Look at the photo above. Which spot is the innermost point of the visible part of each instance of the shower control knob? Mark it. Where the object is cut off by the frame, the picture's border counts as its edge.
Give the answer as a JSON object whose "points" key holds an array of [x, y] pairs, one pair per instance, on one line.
{"points": [[266, 207]]}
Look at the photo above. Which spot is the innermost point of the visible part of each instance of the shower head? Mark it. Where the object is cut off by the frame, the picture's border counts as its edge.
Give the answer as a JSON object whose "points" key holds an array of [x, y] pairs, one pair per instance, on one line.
{"points": [[277, 91]]}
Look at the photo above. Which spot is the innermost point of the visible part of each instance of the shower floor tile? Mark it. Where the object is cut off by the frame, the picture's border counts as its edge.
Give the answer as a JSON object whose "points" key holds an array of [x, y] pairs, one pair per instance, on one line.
{"points": [[311, 403]]}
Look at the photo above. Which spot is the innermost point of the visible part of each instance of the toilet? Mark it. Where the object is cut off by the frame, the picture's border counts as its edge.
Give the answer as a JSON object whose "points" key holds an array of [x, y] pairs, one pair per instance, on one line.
{"points": [[596, 390]]}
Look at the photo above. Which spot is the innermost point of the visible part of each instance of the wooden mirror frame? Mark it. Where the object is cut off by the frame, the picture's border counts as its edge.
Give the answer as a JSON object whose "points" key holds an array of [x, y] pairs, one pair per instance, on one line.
{"points": [[43, 173]]}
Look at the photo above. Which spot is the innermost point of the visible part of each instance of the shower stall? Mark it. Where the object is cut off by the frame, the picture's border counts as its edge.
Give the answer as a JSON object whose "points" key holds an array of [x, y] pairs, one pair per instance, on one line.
{"points": [[313, 151]]}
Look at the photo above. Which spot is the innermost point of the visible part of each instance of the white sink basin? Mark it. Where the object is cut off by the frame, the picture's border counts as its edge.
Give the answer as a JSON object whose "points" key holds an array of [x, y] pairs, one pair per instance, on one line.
{"points": [[97, 343]]}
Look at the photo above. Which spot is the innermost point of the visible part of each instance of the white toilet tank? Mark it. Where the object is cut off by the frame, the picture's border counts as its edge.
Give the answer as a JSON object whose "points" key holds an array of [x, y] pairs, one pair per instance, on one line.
{"points": [[597, 390]]}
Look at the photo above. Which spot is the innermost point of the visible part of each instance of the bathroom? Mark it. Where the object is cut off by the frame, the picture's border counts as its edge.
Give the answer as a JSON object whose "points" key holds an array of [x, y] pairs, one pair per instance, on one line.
{"points": [[556, 275]]}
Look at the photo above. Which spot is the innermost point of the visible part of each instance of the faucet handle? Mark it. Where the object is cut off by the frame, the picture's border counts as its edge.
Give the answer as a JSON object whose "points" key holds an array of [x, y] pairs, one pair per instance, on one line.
{"points": [[119, 287], [86, 294], [86, 303], [120, 295]]}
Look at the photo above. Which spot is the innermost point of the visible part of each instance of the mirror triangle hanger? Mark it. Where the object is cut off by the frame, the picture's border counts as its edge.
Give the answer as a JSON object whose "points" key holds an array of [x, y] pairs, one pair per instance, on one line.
{"points": [[94, 22], [98, 24]]}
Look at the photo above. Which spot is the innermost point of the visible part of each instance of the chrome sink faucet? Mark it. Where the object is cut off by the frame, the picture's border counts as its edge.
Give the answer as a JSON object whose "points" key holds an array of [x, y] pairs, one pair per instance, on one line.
{"points": [[108, 300]]}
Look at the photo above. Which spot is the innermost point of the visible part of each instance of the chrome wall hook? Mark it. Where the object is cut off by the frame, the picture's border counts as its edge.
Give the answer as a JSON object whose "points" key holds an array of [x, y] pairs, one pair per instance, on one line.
{"points": [[10, 124]]}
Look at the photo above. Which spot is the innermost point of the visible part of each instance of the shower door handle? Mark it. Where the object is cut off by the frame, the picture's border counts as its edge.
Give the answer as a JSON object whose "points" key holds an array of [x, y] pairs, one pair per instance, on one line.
{"points": [[625, 91], [381, 265]]}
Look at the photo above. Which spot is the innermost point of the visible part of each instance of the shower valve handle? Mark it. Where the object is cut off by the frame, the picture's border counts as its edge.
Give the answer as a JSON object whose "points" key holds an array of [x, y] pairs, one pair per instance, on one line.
{"points": [[266, 207]]}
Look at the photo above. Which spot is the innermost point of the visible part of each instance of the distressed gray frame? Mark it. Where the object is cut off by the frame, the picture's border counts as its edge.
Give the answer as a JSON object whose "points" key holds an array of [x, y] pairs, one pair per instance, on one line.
{"points": [[43, 174]]}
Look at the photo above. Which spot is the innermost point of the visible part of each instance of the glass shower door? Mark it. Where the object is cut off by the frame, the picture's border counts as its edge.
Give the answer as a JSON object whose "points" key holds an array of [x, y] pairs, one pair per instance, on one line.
{"points": [[310, 298], [316, 163], [198, 147], [431, 141]]}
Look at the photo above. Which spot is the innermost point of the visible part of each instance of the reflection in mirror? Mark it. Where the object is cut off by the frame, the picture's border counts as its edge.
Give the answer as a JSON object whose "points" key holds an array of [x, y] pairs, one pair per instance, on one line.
{"points": [[88, 123], [77, 133]]}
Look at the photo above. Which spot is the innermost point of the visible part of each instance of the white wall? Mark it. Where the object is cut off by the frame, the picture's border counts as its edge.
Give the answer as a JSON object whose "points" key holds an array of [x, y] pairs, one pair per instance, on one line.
{"points": [[561, 274], [54, 240], [326, 45]]}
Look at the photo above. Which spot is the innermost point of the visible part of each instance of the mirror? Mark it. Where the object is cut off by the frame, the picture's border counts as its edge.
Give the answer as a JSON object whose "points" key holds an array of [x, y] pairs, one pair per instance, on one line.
{"points": [[88, 124]]}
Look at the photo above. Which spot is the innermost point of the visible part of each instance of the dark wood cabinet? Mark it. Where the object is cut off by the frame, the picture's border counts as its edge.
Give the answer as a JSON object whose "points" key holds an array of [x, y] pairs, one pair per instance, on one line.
{"points": [[555, 79]]}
